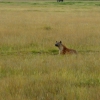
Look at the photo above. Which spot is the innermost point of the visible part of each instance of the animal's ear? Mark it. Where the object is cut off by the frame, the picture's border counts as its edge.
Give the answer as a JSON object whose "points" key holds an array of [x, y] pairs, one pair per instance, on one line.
{"points": [[56, 41], [60, 42]]}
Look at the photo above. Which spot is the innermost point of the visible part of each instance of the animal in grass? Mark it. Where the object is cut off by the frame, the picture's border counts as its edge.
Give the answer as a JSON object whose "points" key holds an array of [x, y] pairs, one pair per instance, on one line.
{"points": [[63, 49], [59, 0]]}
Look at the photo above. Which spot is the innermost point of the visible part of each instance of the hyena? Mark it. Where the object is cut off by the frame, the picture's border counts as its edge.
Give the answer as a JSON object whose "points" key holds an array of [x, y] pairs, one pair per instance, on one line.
{"points": [[64, 50]]}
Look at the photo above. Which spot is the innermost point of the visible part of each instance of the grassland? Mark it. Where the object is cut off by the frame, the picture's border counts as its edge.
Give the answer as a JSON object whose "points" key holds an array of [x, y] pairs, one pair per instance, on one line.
{"points": [[30, 67]]}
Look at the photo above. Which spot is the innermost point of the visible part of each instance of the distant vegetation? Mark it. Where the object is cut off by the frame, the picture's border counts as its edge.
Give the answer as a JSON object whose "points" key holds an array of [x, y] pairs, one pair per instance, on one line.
{"points": [[80, 3], [42, 0]]}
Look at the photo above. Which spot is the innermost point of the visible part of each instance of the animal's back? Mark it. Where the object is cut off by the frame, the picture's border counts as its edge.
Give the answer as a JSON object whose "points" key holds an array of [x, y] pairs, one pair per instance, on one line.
{"points": [[69, 51]]}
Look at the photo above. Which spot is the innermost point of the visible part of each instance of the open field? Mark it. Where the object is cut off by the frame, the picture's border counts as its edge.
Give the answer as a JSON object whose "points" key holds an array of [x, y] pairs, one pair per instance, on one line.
{"points": [[30, 67]]}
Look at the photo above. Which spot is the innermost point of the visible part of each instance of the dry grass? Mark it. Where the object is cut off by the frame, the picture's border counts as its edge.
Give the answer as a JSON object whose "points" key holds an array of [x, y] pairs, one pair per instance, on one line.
{"points": [[30, 68]]}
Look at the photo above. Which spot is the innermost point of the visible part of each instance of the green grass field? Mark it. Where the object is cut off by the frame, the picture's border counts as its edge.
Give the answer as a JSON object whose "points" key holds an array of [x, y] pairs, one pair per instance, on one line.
{"points": [[30, 66]]}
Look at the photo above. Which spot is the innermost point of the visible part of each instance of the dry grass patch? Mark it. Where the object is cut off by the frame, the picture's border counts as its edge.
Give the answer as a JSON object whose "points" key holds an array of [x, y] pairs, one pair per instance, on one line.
{"points": [[50, 77]]}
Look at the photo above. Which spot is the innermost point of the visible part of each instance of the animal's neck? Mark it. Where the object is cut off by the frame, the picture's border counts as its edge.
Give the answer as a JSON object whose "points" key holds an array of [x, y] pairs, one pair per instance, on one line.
{"points": [[63, 49]]}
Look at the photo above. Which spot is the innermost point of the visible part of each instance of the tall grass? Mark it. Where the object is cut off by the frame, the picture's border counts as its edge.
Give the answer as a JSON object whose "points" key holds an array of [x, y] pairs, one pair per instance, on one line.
{"points": [[30, 67]]}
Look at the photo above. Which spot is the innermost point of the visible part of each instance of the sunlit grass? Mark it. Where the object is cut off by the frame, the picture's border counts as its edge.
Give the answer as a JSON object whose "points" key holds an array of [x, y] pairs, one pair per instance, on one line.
{"points": [[30, 67]]}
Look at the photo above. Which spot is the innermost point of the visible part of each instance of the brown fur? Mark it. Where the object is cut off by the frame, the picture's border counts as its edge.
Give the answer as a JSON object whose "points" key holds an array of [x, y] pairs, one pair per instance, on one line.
{"points": [[64, 50]]}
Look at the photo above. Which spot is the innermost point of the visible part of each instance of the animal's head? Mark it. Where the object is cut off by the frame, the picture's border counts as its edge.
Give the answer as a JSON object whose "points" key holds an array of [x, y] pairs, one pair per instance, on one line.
{"points": [[58, 44]]}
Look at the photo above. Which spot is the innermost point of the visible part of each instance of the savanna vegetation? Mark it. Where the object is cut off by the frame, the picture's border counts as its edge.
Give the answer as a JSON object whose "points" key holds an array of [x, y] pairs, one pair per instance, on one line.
{"points": [[30, 67]]}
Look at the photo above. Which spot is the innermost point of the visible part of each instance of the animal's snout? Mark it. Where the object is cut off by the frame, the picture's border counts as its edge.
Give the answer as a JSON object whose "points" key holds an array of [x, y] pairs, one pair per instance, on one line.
{"points": [[56, 45]]}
